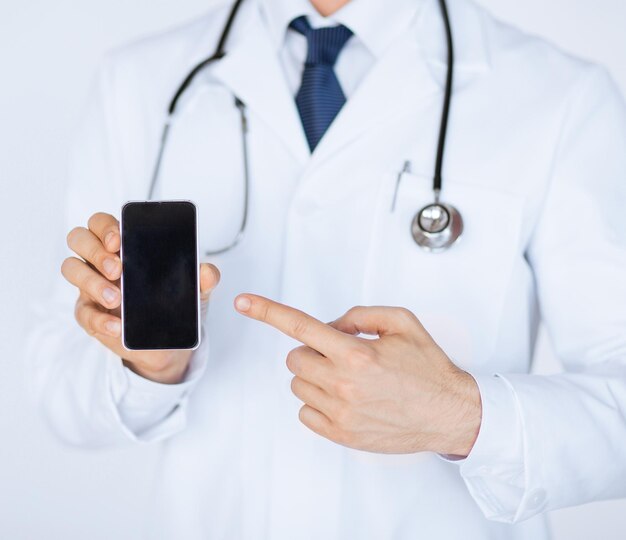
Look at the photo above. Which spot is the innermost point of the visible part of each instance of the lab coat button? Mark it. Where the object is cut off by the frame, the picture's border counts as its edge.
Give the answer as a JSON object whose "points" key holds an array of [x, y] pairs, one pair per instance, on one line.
{"points": [[536, 498]]}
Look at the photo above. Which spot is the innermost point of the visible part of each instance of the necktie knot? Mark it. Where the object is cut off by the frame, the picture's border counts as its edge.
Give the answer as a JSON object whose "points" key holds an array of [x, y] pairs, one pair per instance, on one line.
{"points": [[324, 44]]}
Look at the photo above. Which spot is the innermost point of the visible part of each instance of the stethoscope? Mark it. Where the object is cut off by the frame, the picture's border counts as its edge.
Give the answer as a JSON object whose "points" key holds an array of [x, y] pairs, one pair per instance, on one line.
{"points": [[435, 227]]}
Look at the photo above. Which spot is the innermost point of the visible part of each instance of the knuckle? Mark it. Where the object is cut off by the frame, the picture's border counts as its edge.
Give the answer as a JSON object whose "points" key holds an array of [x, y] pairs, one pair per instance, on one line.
{"points": [[97, 218], [295, 359], [359, 356], [215, 272], [92, 322], [95, 255], [405, 315], [85, 318], [264, 311], [298, 326], [90, 284], [295, 385], [302, 415], [78, 312], [71, 236], [310, 420], [355, 310], [344, 389], [291, 360], [94, 284], [342, 417], [66, 267], [332, 432], [345, 438], [113, 228]]}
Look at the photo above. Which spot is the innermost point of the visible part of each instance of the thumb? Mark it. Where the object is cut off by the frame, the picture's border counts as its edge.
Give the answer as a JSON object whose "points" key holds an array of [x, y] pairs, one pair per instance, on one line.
{"points": [[377, 320], [209, 278]]}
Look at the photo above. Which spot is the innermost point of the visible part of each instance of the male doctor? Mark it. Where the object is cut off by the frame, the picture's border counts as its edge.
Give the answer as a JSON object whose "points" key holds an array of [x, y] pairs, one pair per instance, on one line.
{"points": [[417, 418]]}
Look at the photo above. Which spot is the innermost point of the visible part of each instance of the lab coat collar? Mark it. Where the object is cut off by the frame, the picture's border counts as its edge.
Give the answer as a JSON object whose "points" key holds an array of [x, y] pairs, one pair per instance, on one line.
{"points": [[469, 32], [412, 68], [379, 23], [251, 70], [376, 23]]}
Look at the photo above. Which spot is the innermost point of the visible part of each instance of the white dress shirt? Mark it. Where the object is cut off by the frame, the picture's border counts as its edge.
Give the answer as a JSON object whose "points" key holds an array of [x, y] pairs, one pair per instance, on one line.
{"points": [[373, 23]]}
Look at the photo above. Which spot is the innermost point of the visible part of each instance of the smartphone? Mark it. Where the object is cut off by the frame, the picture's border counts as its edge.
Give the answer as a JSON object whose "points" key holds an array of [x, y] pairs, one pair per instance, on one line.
{"points": [[160, 275]]}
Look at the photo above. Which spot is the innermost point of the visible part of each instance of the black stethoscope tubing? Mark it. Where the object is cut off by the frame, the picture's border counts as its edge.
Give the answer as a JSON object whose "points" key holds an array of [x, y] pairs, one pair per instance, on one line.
{"points": [[447, 100]]}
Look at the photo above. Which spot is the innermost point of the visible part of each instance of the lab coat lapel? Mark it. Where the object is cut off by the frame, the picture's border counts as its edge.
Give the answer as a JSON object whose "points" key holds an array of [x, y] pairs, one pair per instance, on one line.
{"points": [[252, 70], [388, 89], [411, 71]]}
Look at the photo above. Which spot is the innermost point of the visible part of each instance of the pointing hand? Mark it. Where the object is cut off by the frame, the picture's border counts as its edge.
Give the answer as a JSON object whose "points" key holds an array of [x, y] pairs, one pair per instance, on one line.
{"points": [[398, 393]]}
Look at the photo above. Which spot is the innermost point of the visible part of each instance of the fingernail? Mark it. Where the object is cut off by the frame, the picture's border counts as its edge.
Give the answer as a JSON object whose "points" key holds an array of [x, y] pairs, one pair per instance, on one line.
{"points": [[242, 303], [110, 266], [109, 295], [113, 328], [108, 238]]}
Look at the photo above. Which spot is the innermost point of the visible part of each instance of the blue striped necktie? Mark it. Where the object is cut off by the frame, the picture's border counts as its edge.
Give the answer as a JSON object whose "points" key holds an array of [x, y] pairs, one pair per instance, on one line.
{"points": [[320, 96]]}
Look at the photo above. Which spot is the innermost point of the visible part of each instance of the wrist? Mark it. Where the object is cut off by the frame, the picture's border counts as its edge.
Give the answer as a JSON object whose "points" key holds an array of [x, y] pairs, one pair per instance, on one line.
{"points": [[167, 371], [464, 415]]}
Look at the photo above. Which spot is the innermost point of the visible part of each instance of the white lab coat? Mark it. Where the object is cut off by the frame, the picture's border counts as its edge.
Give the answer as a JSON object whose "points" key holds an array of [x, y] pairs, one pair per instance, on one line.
{"points": [[536, 162]]}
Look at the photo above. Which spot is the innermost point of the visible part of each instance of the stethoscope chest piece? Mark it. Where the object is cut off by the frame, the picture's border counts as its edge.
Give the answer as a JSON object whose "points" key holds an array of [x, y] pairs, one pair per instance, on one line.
{"points": [[436, 227]]}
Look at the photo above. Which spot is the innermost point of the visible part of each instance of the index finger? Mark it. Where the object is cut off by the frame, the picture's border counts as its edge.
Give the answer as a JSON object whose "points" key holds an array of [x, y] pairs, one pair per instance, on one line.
{"points": [[294, 323], [107, 229]]}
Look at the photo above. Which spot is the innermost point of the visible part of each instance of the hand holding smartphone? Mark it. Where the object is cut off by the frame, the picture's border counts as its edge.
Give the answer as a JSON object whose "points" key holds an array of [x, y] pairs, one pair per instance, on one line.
{"points": [[95, 270], [160, 275]]}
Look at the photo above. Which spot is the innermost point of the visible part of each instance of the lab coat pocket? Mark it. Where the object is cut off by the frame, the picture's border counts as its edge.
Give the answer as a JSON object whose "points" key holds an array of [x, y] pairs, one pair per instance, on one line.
{"points": [[458, 294]]}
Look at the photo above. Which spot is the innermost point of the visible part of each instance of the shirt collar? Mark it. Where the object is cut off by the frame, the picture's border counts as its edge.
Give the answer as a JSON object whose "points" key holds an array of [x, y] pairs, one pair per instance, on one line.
{"points": [[376, 23]]}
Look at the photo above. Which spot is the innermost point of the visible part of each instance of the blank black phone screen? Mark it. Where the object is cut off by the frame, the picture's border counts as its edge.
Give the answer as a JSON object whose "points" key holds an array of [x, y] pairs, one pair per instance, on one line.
{"points": [[160, 275]]}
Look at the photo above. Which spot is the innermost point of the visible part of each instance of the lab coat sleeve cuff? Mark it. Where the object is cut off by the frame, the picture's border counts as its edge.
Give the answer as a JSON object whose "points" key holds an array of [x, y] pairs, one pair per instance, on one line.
{"points": [[494, 471], [150, 411]]}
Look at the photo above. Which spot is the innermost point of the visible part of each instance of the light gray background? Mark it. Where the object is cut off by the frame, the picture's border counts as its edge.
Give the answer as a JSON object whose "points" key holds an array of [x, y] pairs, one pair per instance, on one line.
{"points": [[48, 51]]}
